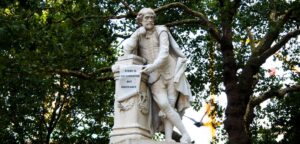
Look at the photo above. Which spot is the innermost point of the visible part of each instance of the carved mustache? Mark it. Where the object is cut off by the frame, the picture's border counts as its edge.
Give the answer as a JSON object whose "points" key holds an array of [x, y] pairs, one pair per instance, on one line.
{"points": [[150, 23]]}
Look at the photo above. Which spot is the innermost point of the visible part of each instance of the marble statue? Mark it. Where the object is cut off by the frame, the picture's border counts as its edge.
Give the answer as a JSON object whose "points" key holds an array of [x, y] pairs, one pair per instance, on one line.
{"points": [[165, 89]]}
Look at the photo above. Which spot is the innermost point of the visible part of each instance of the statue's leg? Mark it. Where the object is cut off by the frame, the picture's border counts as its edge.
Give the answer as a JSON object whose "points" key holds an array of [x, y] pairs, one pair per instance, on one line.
{"points": [[168, 130], [160, 96], [172, 97]]}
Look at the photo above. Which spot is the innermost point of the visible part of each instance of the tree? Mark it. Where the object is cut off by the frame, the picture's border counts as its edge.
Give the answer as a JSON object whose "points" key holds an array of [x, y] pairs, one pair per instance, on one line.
{"points": [[59, 52], [55, 79]]}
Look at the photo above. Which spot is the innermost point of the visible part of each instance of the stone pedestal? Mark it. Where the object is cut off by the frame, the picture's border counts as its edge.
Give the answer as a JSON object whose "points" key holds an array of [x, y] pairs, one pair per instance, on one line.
{"points": [[131, 116]]}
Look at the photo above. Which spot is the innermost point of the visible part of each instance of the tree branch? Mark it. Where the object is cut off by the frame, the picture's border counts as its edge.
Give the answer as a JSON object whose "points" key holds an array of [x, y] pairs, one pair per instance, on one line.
{"points": [[273, 32], [121, 36], [280, 43], [202, 18], [43, 116], [128, 7], [92, 76], [221, 3], [291, 66], [127, 15], [206, 23], [254, 101], [252, 43], [264, 50], [272, 16], [228, 12], [83, 75], [53, 117], [60, 111], [72, 73], [180, 22], [105, 78], [103, 70], [272, 93], [182, 6]]}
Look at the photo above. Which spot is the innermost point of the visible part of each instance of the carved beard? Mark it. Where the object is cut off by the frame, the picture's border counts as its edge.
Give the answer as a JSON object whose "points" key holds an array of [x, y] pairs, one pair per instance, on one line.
{"points": [[149, 26]]}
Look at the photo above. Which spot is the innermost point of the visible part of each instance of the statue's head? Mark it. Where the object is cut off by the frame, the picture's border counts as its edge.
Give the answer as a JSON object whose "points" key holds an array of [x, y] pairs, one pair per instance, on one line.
{"points": [[145, 18]]}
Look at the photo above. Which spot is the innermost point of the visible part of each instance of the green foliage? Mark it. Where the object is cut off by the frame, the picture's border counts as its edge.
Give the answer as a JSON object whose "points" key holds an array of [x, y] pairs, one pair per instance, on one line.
{"points": [[40, 101], [54, 54], [283, 121]]}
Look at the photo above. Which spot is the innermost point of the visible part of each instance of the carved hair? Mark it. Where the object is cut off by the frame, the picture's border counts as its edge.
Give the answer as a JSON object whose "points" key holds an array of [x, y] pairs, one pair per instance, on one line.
{"points": [[141, 14]]}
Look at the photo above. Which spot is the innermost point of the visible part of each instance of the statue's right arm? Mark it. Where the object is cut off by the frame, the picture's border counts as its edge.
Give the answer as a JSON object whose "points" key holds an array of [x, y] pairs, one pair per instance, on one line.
{"points": [[130, 44]]}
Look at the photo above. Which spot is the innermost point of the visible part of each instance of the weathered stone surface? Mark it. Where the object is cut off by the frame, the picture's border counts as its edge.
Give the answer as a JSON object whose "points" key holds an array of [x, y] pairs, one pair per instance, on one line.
{"points": [[141, 141], [132, 115], [159, 56]]}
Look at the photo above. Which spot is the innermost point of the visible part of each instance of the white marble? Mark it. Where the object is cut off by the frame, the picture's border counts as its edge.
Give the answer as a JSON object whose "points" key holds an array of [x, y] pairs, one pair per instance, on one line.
{"points": [[144, 141], [165, 93], [131, 113]]}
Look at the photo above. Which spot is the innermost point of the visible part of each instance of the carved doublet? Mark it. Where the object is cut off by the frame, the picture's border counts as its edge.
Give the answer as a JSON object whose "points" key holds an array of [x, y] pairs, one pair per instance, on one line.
{"points": [[149, 47]]}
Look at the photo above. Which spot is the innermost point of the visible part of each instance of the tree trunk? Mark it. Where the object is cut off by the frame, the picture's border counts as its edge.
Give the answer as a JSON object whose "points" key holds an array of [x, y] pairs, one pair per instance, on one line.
{"points": [[236, 98], [234, 123]]}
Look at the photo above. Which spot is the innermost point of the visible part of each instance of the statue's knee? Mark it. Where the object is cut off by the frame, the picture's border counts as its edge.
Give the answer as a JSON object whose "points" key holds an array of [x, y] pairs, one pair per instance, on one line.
{"points": [[164, 107]]}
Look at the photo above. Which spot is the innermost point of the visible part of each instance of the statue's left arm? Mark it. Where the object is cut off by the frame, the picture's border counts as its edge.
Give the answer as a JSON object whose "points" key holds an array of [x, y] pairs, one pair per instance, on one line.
{"points": [[163, 50]]}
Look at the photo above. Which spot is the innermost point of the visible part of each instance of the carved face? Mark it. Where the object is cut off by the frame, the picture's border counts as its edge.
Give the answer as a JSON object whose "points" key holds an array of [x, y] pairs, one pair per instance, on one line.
{"points": [[148, 21]]}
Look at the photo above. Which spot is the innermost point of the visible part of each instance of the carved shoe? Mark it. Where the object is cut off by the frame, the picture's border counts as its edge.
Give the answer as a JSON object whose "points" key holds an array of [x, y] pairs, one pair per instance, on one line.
{"points": [[185, 139], [170, 141]]}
